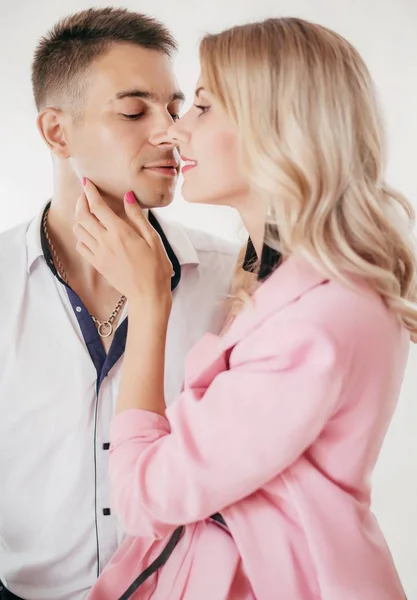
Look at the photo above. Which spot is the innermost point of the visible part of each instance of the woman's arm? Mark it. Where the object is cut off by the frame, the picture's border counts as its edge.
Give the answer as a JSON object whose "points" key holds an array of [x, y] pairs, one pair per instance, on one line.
{"points": [[142, 384]]}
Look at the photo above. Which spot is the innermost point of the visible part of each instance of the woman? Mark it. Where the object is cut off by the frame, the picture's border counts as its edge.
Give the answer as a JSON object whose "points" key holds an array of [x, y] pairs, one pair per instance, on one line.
{"points": [[282, 418]]}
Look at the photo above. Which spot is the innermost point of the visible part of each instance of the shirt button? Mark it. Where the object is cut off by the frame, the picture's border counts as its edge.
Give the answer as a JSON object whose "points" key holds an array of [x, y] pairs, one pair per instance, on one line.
{"points": [[78, 309], [106, 446], [106, 512]]}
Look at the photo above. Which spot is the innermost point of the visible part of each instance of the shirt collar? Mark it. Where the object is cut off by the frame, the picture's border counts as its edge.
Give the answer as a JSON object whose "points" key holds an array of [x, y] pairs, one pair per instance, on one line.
{"points": [[180, 242], [33, 239], [270, 260]]}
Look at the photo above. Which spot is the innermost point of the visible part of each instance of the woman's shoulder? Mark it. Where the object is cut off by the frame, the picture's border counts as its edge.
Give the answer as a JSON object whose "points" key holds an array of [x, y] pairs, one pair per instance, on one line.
{"points": [[298, 301]]}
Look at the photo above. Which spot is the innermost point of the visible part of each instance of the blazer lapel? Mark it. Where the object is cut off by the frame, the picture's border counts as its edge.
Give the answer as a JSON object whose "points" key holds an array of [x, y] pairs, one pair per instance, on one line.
{"points": [[293, 278]]}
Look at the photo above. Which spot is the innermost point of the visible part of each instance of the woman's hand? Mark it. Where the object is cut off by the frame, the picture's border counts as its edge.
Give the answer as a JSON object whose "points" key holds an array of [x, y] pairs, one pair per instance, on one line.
{"points": [[130, 255]]}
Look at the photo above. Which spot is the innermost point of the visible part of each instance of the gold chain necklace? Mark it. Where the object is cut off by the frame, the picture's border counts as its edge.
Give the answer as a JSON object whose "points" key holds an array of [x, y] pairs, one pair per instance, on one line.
{"points": [[104, 328]]}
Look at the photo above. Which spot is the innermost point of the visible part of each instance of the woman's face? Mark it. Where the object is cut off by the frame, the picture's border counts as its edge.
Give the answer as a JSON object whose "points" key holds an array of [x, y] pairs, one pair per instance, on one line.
{"points": [[208, 140]]}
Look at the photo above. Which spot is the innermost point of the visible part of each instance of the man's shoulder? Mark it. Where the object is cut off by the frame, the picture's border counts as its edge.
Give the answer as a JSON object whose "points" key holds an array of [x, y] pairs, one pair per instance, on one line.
{"points": [[13, 261], [13, 241]]}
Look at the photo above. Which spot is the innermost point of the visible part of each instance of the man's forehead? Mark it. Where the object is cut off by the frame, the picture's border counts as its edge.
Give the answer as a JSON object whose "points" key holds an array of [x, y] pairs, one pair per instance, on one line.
{"points": [[131, 71]]}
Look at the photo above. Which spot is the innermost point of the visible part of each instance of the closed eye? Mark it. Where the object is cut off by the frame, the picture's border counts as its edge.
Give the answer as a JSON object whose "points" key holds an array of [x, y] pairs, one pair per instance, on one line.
{"points": [[133, 117], [136, 116], [202, 108]]}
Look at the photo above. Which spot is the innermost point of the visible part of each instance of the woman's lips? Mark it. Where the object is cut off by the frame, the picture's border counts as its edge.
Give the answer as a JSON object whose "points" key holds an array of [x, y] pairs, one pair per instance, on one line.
{"points": [[189, 164]]}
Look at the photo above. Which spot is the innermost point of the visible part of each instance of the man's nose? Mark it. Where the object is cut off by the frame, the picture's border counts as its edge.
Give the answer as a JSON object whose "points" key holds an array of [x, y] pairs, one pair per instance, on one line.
{"points": [[160, 135], [177, 133]]}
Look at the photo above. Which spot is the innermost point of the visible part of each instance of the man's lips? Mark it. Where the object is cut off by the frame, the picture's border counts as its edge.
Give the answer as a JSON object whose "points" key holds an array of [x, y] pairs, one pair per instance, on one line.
{"points": [[167, 168]]}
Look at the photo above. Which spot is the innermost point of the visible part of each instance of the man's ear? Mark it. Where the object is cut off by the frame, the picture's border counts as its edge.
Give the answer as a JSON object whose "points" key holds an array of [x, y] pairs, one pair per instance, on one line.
{"points": [[52, 124]]}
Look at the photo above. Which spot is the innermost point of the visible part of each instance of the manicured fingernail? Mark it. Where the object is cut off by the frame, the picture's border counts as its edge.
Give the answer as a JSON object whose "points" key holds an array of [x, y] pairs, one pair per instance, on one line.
{"points": [[130, 198], [84, 181]]}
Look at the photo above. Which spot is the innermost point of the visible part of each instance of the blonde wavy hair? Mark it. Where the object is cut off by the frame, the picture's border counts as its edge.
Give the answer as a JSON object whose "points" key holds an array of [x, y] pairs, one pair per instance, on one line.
{"points": [[312, 142]]}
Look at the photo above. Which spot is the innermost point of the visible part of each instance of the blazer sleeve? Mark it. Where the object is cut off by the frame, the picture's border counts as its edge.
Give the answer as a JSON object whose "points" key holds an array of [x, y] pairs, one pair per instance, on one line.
{"points": [[221, 444]]}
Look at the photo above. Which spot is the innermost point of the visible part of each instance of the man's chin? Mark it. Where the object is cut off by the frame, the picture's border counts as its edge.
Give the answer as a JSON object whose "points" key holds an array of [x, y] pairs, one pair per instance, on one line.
{"points": [[155, 202], [154, 190]]}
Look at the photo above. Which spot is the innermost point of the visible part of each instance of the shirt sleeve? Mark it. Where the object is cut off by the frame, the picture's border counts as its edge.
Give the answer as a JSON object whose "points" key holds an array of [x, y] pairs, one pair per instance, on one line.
{"points": [[221, 444]]}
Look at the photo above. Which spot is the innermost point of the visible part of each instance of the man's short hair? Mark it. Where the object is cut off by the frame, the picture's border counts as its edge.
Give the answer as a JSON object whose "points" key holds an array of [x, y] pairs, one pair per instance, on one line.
{"points": [[68, 50]]}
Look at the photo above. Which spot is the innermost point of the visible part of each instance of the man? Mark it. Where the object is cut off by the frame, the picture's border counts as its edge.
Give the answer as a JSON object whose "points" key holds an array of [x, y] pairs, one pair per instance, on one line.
{"points": [[106, 94]]}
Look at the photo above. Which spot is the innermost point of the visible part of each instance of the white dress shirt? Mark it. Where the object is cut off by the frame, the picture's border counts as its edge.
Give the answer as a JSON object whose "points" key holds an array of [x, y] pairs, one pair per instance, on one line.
{"points": [[57, 396]]}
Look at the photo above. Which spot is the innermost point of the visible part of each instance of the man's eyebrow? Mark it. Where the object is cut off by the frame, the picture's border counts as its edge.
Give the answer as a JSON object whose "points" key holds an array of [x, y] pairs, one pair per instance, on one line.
{"points": [[178, 96], [136, 93]]}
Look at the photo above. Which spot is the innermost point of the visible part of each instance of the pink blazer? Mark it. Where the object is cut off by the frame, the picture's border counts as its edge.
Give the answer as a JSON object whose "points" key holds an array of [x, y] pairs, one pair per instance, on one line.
{"points": [[278, 428]]}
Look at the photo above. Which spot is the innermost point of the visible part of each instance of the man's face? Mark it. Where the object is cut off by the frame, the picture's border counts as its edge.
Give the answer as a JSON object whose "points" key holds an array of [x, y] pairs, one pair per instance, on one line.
{"points": [[120, 141]]}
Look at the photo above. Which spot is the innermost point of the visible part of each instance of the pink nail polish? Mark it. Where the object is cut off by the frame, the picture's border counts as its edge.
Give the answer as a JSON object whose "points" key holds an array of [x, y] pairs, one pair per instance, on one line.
{"points": [[84, 181], [130, 198]]}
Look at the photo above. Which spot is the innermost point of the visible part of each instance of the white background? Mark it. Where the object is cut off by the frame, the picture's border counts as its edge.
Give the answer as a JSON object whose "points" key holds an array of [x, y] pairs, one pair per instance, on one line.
{"points": [[384, 31]]}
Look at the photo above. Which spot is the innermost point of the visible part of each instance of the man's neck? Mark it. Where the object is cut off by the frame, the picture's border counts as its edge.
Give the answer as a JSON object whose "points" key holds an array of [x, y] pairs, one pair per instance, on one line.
{"points": [[60, 223]]}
